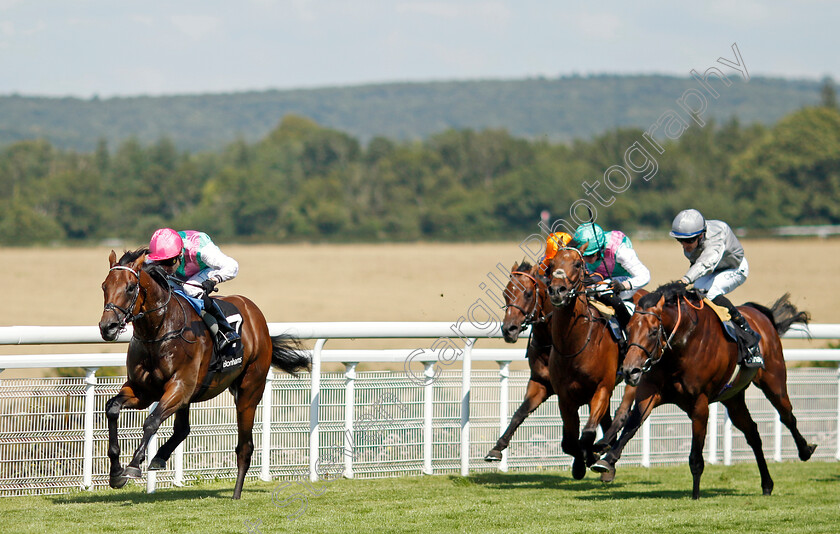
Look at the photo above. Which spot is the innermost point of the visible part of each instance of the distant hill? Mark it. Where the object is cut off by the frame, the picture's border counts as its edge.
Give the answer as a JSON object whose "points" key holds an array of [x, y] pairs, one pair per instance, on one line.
{"points": [[560, 109]]}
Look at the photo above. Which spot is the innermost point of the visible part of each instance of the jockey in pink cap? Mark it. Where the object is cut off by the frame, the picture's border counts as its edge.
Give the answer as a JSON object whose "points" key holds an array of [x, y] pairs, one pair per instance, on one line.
{"points": [[197, 264]]}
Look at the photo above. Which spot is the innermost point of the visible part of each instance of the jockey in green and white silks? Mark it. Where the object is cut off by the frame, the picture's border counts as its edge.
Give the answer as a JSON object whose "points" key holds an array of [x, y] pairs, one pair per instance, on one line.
{"points": [[610, 255], [203, 260]]}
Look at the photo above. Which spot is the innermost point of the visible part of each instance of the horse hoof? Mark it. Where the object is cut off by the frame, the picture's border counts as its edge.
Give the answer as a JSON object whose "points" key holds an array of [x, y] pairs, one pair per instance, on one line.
{"points": [[117, 481], [807, 454], [578, 469], [132, 472], [493, 456], [608, 476], [157, 464], [603, 466]]}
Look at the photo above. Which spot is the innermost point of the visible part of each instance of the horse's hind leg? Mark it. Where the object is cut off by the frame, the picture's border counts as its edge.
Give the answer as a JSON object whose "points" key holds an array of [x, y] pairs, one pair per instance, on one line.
{"points": [[699, 425], [743, 421], [124, 399], [774, 388], [535, 395], [248, 396], [180, 430]]}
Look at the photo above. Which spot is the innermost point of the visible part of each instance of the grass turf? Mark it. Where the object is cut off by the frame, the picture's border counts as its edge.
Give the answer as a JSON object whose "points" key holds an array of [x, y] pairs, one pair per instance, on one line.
{"points": [[806, 499]]}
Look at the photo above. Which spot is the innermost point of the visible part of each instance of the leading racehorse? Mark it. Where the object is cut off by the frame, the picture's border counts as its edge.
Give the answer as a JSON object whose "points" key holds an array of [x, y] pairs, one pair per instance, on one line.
{"points": [[583, 363], [680, 355], [169, 358]]}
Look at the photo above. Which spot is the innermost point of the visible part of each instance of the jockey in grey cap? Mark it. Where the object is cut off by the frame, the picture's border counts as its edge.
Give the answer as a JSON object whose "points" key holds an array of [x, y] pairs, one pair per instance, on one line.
{"points": [[718, 266]]}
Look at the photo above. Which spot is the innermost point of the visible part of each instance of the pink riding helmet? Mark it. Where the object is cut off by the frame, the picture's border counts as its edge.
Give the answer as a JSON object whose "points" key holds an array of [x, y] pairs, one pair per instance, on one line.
{"points": [[165, 244]]}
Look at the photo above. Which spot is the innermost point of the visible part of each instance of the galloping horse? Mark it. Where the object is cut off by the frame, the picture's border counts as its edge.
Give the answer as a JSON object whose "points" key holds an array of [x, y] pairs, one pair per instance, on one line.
{"points": [[169, 357], [679, 355], [583, 362], [527, 303]]}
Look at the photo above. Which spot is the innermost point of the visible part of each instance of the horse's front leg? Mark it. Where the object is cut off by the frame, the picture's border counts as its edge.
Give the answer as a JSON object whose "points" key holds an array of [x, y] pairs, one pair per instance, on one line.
{"points": [[535, 394], [173, 399], [124, 399], [598, 408], [570, 443], [618, 422], [699, 423], [647, 398]]}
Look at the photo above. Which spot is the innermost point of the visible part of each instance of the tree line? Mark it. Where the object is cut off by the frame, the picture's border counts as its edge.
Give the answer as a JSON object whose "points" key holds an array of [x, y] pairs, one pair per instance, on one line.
{"points": [[306, 182]]}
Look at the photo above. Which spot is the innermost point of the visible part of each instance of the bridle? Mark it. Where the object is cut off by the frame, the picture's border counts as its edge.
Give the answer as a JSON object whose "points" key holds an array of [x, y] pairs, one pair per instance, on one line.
{"points": [[128, 316], [572, 294], [529, 316], [663, 342]]}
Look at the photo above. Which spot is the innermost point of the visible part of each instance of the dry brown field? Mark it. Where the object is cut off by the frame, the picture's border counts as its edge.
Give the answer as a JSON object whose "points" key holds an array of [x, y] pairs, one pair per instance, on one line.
{"points": [[384, 282]]}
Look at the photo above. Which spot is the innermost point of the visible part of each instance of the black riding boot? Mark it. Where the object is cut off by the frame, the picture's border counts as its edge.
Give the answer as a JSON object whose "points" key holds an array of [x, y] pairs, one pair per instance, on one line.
{"points": [[222, 331], [622, 315], [753, 357]]}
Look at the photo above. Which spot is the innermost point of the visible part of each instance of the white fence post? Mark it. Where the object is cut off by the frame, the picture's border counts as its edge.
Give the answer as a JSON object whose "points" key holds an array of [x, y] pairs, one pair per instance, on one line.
{"points": [[151, 449], [349, 408], [466, 375], [713, 433], [646, 443], [837, 428], [777, 436], [727, 440], [428, 414], [178, 477], [504, 376], [265, 442], [87, 454], [314, 404]]}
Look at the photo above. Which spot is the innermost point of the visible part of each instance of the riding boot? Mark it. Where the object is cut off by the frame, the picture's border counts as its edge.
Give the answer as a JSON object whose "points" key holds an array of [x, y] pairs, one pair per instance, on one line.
{"points": [[753, 356], [622, 315], [217, 323]]}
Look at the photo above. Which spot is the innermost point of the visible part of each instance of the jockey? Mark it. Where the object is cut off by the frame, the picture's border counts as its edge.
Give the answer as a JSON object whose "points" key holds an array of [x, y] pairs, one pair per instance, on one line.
{"points": [[718, 266], [555, 242], [193, 259], [610, 255]]}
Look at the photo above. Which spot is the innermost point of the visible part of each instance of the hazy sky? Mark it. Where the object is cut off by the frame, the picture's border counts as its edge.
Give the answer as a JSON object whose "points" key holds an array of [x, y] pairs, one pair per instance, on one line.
{"points": [[122, 47]]}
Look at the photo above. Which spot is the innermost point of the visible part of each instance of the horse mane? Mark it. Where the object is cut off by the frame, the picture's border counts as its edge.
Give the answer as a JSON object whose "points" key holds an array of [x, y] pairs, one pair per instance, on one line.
{"points": [[130, 256], [672, 291]]}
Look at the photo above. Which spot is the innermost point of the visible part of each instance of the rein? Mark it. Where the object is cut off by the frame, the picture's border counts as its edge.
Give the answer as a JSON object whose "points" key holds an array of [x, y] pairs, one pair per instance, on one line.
{"points": [[579, 290], [529, 316], [651, 361], [129, 317]]}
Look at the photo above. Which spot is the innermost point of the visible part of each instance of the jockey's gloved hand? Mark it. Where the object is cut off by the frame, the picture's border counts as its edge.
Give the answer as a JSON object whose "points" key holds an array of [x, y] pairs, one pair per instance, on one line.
{"points": [[208, 286], [617, 287], [591, 280]]}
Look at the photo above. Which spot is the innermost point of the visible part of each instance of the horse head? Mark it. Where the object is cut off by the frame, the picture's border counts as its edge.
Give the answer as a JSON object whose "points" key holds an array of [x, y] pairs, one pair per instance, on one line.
{"points": [[652, 329], [523, 300], [125, 289], [566, 272]]}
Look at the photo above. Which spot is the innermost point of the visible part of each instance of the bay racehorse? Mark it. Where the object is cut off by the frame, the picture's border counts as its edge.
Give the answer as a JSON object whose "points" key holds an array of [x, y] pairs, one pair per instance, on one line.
{"points": [[583, 362], [526, 303], [168, 359], [679, 355]]}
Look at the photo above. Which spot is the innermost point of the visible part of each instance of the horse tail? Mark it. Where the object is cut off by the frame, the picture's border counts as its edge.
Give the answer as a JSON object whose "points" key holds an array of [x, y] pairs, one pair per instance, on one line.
{"points": [[783, 314], [286, 353]]}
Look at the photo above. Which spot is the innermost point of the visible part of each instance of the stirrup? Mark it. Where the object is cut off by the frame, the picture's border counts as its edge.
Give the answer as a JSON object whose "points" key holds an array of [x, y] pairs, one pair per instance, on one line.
{"points": [[223, 339], [753, 358]]}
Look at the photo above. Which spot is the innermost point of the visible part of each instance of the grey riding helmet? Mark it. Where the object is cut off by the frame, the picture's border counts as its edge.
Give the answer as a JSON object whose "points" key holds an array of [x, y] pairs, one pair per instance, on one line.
{"points": [[688, 223]]}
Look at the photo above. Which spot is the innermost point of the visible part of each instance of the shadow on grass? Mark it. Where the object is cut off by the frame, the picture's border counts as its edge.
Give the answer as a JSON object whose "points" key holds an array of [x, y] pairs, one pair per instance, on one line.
{"points": [[588, 488], [117, 497]]}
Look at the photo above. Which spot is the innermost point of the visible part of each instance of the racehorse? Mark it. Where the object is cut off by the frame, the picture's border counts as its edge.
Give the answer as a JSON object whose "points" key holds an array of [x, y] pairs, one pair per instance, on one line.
{"points": [[679, 355], [527, 303], [168, 360], [583, 362]]}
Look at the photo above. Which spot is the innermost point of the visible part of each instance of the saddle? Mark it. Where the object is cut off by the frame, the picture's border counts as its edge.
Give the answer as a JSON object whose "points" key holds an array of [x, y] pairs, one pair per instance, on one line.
{"points": [[609, 314], [230, 359], [735, 334]]}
